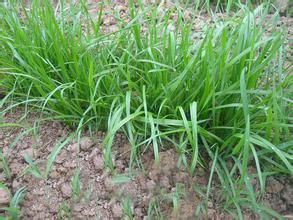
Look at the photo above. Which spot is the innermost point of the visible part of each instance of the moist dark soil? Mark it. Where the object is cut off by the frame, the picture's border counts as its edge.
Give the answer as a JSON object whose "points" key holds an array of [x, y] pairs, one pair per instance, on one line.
{"points": [[103, 192]]}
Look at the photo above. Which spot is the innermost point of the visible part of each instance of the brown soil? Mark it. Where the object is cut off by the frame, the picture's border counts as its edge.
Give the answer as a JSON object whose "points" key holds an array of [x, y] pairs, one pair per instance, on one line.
{"points": [[100, 195], [103, 192]]}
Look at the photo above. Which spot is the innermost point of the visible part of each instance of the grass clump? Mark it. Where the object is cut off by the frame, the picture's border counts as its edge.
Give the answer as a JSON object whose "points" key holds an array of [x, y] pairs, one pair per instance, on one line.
{"points": [[223, 94]]}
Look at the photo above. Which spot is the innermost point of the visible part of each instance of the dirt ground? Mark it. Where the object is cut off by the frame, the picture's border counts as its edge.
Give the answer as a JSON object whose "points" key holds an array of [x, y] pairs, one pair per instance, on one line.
{"points": [[100, 195], [103, 193]]}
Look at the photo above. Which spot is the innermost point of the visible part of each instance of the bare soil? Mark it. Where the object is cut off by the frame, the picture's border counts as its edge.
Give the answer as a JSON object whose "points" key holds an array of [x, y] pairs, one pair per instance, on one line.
{"points": [[103, 192], [100, 196]]}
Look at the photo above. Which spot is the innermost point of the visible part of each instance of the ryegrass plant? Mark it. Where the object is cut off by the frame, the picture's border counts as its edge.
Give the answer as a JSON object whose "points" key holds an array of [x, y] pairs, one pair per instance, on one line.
{"points": [[224, 95]]}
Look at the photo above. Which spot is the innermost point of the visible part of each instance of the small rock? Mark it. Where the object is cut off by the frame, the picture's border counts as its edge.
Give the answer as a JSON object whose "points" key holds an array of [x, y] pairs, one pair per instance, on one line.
{"points": [[66, 190], [86, 143], [98, 162], [274, 186], [117, 210], [4, 197]]}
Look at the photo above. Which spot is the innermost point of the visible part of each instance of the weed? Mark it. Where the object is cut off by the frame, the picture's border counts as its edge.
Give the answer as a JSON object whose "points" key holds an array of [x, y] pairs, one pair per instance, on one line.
{"points": [[127, 208]]}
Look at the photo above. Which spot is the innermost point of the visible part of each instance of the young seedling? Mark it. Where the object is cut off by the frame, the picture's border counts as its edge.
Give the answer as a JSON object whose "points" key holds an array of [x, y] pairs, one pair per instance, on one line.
{"points": [[127, 208], [75, 184]]}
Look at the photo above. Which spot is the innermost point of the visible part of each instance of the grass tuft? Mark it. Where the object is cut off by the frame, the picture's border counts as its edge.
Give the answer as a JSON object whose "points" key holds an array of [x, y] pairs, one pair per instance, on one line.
{"points": [[224, 95]]}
